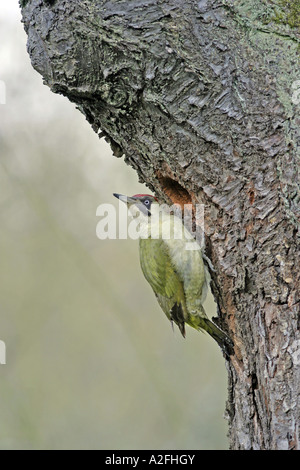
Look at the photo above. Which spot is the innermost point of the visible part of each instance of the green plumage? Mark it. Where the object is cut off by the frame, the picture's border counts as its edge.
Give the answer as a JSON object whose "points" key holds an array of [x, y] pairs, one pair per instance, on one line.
{"points": [[179, 293], [162, 277]]}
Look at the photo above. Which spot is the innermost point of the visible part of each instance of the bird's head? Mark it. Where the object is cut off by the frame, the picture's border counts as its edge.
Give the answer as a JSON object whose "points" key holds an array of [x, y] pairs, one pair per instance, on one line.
{"points": [[142, 202]]}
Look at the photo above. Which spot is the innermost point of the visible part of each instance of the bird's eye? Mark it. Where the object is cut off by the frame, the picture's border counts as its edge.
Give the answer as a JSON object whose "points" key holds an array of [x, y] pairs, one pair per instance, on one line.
{"points": [[147, 202]]}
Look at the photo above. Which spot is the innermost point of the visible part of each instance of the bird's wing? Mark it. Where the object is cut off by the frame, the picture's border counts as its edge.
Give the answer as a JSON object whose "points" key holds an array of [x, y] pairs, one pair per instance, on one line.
{"points": [[159, 271]]}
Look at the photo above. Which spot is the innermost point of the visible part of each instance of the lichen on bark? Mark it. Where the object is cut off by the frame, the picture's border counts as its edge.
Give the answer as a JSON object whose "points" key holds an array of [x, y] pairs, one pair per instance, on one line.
{"points": [[288, 12]]}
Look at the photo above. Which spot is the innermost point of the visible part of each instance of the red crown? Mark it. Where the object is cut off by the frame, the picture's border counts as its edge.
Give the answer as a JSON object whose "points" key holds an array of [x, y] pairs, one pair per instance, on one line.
{"points": [[143, 195]]}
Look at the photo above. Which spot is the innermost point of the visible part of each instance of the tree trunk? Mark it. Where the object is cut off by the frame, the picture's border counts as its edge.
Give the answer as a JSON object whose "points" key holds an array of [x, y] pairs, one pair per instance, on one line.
{"points": [[201, 97]]}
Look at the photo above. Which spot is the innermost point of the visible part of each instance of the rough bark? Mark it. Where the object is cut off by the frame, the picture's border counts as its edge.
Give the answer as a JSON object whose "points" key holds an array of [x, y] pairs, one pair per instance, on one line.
{"points": [[198, 97]]}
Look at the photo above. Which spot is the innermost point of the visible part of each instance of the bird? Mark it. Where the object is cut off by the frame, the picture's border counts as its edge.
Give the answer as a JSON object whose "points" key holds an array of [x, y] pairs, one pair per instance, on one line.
{"points": [[172, 263]]}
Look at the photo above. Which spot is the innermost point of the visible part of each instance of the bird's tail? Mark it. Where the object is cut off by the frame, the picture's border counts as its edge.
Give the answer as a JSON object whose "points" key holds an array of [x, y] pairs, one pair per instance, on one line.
{"points": [[201, 322], [218, 335]]}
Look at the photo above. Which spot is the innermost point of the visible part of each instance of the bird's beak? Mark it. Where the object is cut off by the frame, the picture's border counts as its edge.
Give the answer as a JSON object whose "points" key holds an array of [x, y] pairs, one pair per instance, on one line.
{"points": [[127, 199]]}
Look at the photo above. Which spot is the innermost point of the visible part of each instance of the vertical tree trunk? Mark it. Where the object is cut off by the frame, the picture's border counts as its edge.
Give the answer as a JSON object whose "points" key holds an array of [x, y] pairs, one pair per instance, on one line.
{"points": [[199, 98]]}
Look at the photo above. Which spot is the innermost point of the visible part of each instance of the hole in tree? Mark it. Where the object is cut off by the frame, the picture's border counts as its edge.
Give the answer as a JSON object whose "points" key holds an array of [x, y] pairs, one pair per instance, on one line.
{"points": [[176, 193]]}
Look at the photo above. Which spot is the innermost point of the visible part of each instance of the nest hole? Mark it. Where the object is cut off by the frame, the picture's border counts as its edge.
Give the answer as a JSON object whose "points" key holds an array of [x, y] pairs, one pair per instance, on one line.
{"points": [[176, 193]]}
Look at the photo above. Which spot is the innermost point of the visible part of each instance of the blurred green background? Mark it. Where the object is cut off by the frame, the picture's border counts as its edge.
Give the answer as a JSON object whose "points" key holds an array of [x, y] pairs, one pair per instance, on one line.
{"points": [[92, 362]]}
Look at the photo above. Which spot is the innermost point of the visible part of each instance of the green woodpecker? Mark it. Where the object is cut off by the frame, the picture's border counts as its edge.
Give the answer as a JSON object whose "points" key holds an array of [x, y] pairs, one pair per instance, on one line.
{"points": [[172, 262]]}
